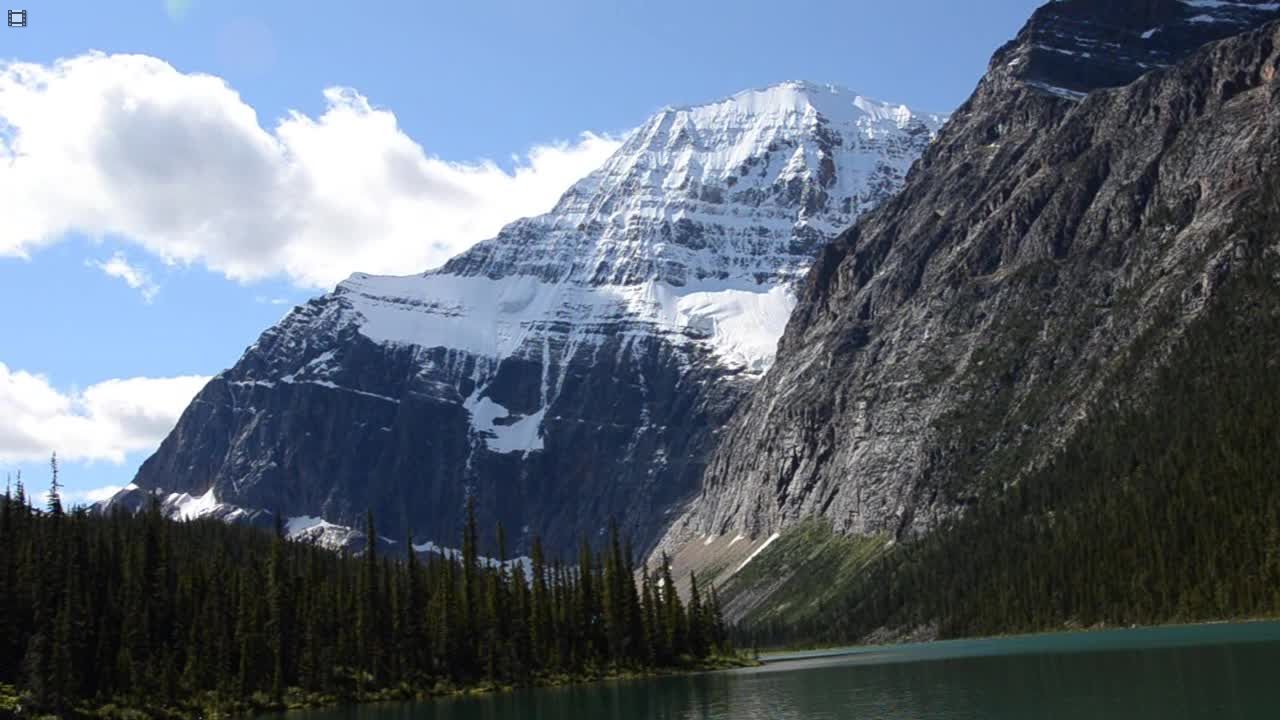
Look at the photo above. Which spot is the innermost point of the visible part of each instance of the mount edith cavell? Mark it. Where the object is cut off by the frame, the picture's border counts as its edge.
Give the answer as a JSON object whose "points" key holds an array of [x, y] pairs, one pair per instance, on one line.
{"points": [[872, 372], [571, 370]]}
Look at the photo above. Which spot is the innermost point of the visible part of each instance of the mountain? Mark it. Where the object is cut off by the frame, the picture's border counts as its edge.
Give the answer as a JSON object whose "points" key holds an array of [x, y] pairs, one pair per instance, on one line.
{"points": [[1073, 220], [574, 368]]}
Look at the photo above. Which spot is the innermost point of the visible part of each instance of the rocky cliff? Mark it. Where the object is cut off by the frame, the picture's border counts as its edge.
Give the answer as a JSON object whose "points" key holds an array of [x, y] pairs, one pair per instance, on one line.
{"points": [[1075, 214], [574, 368]]}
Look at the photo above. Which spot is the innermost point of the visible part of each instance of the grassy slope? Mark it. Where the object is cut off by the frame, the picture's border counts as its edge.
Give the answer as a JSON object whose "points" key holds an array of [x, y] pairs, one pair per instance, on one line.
{"points": [[800, 574]]}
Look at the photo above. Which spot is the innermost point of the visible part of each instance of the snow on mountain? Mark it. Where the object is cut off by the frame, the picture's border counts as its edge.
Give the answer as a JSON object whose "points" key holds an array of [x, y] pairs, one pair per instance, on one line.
{"points": [[1070, 47], [691, 228], [580, 362]]}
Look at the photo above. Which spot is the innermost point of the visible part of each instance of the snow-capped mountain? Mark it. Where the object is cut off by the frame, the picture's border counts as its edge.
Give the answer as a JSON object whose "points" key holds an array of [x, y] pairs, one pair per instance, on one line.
{"points": [[575, 367], [695, 227]]}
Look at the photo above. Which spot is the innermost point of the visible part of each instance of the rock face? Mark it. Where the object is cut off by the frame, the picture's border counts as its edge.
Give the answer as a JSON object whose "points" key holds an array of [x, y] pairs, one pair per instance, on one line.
{"points": [[1075, 212], [575, 367], [1075, 46]]}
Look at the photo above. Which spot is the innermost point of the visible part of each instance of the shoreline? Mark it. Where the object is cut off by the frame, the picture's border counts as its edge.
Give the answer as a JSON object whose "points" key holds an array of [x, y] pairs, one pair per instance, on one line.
{"points": [[259, 707], [555, 681], [811, 652]]}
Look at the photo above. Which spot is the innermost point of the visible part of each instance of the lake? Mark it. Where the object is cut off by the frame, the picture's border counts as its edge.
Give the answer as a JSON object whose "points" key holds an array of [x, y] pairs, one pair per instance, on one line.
{"points": [[1219, 671]]}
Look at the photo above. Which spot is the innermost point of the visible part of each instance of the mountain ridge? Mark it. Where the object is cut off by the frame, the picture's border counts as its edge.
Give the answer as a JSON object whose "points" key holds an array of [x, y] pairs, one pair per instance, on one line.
{"points": [[533, 370], [955, 336]]}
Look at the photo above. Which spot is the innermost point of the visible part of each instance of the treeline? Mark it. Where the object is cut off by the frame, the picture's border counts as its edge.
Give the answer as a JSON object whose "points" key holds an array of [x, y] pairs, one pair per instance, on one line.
{"points": [[1163, 508], [141, 612]]}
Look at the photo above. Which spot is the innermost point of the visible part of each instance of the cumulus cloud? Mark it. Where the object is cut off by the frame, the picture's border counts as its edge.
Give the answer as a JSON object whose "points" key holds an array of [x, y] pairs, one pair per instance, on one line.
{"points": [[71, 498], [137, 278], [93, 495], [105, 421], [179, 164]]}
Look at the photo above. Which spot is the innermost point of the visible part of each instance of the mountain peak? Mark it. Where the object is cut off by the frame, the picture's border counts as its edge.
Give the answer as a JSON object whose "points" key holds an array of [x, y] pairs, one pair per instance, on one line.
{"points": [[1071, 47], [748, 168], [576, 366], [960, 336], [834, 102]]}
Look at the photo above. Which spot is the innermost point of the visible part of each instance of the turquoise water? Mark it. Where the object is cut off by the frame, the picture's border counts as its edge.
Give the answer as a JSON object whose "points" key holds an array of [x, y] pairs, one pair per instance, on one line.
{"points": [[1221, 671]]}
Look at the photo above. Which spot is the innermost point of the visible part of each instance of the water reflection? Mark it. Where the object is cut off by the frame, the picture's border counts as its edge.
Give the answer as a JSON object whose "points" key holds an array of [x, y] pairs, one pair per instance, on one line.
{"points": [[1219, 672]]}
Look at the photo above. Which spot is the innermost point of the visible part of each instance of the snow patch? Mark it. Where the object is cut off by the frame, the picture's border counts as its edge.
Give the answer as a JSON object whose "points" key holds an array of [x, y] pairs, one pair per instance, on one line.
{"points": [[185, 507], [523, 435], [739, 320], [1058, 91], [744, 325], [317, 530], [1218, 4], [292, 380], [300, 524], [758, 550], [524, 562], [700, 239], [335, 386]]}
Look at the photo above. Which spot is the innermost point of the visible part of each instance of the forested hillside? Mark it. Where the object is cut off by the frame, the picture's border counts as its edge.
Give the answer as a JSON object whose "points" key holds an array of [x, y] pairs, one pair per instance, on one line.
{"points": [[197, 617], [1165, 508]]}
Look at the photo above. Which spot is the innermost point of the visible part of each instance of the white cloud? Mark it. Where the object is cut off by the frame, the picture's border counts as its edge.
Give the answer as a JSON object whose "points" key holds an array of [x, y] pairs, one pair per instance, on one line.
{"points": [[179, 164], [105, 421], [137, 278], [71, 498], [93, 495]]}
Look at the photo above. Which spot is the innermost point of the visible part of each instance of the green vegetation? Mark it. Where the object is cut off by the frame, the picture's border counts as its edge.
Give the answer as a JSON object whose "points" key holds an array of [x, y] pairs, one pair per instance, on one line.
{"points": [[1158, 511], [801, 574], [1162, 507], [136, 616]]}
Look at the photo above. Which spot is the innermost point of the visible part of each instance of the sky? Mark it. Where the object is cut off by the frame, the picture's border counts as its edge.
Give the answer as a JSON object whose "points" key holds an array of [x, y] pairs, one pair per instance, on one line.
{"points": [[175, 175]]}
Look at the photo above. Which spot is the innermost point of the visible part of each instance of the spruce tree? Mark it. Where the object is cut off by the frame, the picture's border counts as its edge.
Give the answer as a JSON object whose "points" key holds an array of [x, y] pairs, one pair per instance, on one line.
{"points": [[277, 622], [367, 621], [676, 640], [696, 620], [540, 629], [164, 616], [615, 603], [655, 652], [471, 599], [54, 503]]}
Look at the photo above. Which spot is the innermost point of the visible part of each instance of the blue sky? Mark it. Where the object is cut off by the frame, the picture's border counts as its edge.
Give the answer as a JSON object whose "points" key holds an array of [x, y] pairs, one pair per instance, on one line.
{"points": [[163, 210]]}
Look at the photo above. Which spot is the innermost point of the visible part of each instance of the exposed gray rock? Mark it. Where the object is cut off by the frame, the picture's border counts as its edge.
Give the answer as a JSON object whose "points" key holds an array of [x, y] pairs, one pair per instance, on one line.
{"points": [[957, 335], [575, 367]]}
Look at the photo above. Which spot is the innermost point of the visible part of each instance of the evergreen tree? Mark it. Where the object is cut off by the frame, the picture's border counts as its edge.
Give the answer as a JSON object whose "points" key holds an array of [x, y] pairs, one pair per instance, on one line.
{"points": [[278, 620], [696, 620], [540, 628], [637, 638], [55, 489], [367, 620], [180, 618], [615, 602], [470, 590], [674, 625]]}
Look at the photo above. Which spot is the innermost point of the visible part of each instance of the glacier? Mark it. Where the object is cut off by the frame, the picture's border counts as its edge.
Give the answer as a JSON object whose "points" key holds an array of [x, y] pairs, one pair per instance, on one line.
{"points": [[574, 368]]}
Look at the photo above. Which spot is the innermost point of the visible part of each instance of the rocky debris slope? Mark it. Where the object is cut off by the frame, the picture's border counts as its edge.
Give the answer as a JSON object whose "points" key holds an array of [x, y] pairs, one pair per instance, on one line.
{"points": [[573, 368], [1075, 212]]}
